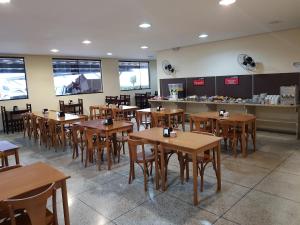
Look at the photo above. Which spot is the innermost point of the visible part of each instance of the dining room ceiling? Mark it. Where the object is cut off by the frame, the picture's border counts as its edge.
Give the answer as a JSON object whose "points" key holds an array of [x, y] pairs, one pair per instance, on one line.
{"points": [[112, 26]]}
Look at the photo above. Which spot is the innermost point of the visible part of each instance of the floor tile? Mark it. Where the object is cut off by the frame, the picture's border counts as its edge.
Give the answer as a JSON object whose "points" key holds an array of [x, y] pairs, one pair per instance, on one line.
{"points": [[291, 165], [222, 221], [239, 173], [81, 214], [260, 208], [217, 203], [166, 210], [116, 197], [281, 184]]}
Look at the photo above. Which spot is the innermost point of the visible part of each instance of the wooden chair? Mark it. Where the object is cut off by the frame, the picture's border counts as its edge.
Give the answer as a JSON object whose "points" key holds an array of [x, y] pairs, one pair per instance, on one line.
{"points": [[34, 127], [158, 119], [80, 102], [118, 115], [27, 125], [203, 160], [34, 208], [78, 141], [62, 105], [94, 112], [228, 130], [124, 100], [141, 157], [54, 138], [142, 119], [94, 145], [105, 112], [201, 124], [43, 131]]}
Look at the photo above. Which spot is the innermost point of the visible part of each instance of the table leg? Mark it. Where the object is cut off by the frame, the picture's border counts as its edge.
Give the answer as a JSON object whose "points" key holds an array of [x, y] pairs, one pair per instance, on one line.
{"points": [[138, 117], [183, 121], [63, 137], [108, 153], [65, 202], [195, 176], [17, 157], [254, 135], [219, 166], [156, 167], [162, 169], [244, 151]]}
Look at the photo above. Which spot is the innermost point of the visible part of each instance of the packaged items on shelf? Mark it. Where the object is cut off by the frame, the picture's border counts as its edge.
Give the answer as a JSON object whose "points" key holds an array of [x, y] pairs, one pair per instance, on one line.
{"points": [[289, 95]]}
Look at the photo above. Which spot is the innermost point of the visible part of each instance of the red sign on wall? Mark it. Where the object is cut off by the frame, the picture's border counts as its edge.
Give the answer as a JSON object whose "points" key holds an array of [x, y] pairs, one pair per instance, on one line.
{"points": [[231, 81], [199, 82]]}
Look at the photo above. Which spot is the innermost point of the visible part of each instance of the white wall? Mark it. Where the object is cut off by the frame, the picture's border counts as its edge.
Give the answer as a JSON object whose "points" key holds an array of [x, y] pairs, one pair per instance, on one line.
{"points": [[275, 52], [41, 85]]}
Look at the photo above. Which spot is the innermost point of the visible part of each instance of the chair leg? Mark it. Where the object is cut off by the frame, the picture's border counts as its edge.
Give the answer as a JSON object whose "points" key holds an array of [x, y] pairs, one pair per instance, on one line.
{"points": [[187, 171], [99, 151], [202, 176], [145, 176]]}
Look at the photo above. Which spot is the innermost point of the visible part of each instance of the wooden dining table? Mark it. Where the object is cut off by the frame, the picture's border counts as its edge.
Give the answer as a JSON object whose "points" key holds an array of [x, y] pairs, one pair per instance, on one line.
{"points": [[26, 179], [108, 131], [166, 112], [185, 142], [67, 119], [242, 120]]}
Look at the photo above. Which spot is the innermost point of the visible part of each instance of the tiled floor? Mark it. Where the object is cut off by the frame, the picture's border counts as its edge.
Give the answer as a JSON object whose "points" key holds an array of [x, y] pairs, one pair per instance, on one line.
{"points": [[263, 189]]}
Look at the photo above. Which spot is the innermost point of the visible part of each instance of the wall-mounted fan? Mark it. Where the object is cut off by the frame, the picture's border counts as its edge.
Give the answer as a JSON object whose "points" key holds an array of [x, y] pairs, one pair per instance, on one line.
{"points": [[246, 62], [167, 67]]}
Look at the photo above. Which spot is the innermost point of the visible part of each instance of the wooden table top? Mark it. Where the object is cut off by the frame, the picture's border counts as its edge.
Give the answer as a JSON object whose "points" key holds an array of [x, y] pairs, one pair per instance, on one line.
{"points": [[53, 115], [28, 178], [165, 111], [237, 117], [99, 125], [186, 140], [6, 145]]}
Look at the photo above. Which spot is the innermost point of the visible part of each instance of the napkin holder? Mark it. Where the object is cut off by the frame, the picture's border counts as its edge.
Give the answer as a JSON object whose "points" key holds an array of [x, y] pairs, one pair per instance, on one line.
{"points": [[61, 114], [108, 121], [222, 112], [167, 132]]}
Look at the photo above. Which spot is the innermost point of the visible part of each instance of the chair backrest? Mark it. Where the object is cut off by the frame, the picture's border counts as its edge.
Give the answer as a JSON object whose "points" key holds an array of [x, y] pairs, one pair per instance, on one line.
{"points": [[202, 124], [134, 146], [35, 206], [225, 126], [6, 168], [80, 110], [94, 112], [61, 105], [118, 114], [91, 138], [111, 99], [28, 107], [158, 119], [105, 112]]}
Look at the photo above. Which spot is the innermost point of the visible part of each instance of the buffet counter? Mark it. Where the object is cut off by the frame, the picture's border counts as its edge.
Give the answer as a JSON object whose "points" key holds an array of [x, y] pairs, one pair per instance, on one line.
{"points": [[279, 118]]}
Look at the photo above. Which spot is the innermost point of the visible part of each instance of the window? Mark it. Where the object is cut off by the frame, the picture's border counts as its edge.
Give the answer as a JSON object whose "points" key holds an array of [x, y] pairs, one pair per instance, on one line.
{"points": [[134, 75], [12, 79], [77, 76]]}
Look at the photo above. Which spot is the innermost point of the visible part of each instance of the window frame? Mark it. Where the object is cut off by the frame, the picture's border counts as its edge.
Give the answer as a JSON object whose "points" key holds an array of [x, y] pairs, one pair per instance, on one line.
{"points": [[129, 61], [78, 59], [25, 71]]}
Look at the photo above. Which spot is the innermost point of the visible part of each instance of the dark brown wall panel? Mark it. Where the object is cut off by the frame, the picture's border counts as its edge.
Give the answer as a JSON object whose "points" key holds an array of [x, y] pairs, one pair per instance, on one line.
{"points": [[242, 90], [270, 83], [208, 89], [164, 88]]}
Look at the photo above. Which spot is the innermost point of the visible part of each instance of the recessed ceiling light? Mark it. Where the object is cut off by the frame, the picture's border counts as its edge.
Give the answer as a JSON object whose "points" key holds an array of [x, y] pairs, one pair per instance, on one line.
{"points": [[203, 35], [54, 50], [109, 53], [86, 42], [4, 1], [226, 2], [145, 25], [144, 47]]}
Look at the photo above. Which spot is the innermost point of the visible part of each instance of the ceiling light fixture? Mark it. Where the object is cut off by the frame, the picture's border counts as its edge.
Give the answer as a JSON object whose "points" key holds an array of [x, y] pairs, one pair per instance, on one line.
{"points": [[109, 53], [203, 35], [144, 47], [54, 50], [145, 25], [86, 42], [4, 1], [226, 2]]}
